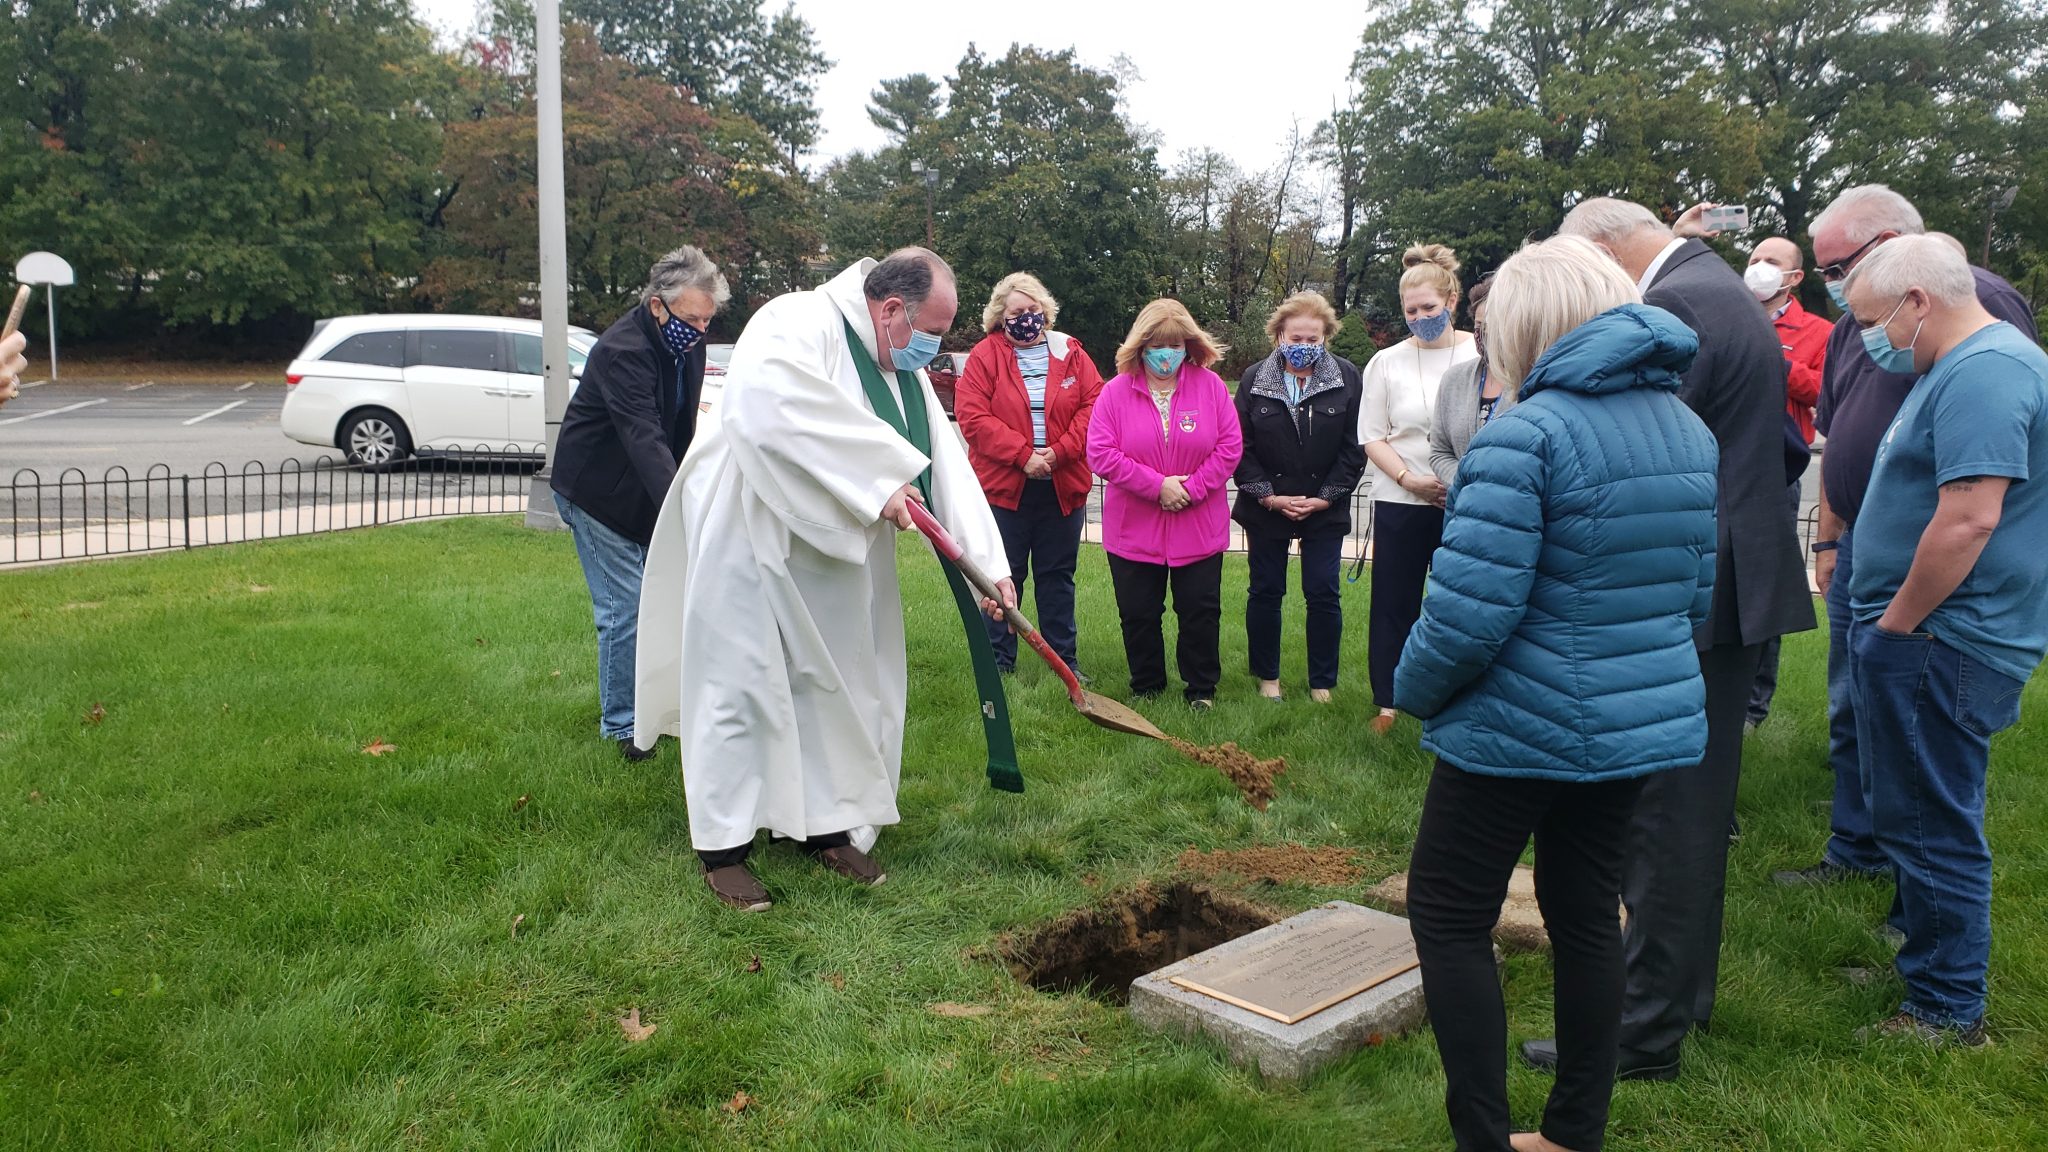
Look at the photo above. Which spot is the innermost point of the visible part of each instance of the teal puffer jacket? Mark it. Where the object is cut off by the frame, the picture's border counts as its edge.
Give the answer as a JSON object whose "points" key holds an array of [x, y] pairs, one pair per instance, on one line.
{"points": [[1556, 639]]}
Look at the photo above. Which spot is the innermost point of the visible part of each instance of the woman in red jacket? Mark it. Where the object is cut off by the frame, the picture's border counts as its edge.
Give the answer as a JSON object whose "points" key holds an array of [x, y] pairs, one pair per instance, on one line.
{"points": [[1023, 404]]}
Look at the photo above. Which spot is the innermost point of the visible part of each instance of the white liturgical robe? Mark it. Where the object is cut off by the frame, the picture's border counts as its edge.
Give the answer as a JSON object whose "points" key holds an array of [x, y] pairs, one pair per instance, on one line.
{"points": [[771, 629]]}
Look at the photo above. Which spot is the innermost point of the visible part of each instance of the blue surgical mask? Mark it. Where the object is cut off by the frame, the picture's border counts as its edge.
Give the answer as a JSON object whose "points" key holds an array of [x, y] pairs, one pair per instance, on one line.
{"points": [[1301, 357], [679, 335], [1428, 328], [1164, 361], [1839, 294], [918, 353], [1879, 345]]}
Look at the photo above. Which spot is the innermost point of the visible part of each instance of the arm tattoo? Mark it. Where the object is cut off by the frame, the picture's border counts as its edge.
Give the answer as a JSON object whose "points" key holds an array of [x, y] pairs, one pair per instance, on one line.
{"points": [[1963, 484]]}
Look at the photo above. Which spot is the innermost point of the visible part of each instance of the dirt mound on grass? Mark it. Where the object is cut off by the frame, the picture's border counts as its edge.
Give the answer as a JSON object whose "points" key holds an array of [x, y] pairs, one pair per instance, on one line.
{"points": [[1328, 867], [1253, 776]]}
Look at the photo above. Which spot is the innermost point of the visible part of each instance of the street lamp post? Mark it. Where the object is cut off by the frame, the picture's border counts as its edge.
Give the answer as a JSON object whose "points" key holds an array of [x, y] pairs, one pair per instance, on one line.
{"points": [[554, 253], [1999, 203], [931, 181]]}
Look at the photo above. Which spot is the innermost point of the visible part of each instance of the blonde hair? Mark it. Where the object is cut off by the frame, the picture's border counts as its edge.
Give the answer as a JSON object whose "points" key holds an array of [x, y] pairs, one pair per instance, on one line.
{"points": [[1431, 266], [1542, 292], [1025, 282], [1167, 319], [1310, 304]]}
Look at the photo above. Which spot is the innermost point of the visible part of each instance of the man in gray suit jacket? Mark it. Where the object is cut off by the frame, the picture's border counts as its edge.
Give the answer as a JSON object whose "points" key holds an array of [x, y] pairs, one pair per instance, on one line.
{"points": [[1677, 866]]}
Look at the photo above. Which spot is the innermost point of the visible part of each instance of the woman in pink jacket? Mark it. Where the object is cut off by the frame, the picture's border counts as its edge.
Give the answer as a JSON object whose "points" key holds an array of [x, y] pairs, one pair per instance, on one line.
{"points": [[1165, 440]]}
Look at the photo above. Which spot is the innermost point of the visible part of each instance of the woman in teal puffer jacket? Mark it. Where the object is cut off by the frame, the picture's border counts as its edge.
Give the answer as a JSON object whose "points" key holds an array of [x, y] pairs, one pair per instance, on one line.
{"points": [[1554, 667]]}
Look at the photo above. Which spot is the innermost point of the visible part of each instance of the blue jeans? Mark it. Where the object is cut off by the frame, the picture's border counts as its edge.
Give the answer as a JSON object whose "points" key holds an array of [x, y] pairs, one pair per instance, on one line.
{"points": [[1045, 544], [1925, 715], [611, 567], [1322, 558], [1851, 844]]}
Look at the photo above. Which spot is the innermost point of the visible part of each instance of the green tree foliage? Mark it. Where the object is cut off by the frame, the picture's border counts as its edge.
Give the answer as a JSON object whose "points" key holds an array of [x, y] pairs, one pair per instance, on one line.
{"points": [[1036, 170]]}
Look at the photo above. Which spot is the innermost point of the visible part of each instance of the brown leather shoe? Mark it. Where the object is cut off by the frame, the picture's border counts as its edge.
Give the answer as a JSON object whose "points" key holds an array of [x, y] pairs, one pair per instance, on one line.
{"points": [[1382, 724], [853, 864], [736, 887]]}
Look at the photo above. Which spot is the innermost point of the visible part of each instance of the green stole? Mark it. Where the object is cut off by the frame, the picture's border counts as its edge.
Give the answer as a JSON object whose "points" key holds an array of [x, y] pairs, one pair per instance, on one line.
{"points": [[911, 423]]}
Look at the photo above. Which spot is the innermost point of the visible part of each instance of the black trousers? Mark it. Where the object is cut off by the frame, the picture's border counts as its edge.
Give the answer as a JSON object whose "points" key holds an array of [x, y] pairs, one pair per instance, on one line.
{"points": [[1197, 605], [1039, 538], [726, 857], [1404, 537], [1473, 830], [1676, 878], [1767, 672], [1322, 559]]}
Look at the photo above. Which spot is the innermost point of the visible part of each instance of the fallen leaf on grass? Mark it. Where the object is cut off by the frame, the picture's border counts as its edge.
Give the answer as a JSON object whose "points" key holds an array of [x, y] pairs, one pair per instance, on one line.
{"points": [[948, 1008], [96, 713], [837, 981], [523, 801], [739, 1103], [35, 796], [754, 965], [482, 643], [378, 747], [82, 605], [516, 922], [557, 673], [259, 587], [634, 1030]]}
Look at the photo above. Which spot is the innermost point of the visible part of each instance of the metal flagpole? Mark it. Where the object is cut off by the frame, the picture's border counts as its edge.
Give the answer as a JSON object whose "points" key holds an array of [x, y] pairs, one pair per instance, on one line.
{"points": [[554, 253]]}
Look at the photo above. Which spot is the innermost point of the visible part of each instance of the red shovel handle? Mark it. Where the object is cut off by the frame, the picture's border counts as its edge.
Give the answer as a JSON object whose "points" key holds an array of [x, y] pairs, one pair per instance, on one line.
{"points": [[951, 550]]}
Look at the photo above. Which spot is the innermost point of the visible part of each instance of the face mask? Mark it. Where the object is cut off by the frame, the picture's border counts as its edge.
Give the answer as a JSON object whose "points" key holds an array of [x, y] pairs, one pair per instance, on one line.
{"points": [[1839, 294], [1428, 328], [1764, 280], [1879, 345], [1025, 327], [916, 354], [1164, 361], [678, 335], [1301, 357]]}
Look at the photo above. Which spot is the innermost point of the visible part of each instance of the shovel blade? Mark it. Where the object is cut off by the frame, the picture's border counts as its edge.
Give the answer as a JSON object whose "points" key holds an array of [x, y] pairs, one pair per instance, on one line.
{"points": [[1117, 717]]}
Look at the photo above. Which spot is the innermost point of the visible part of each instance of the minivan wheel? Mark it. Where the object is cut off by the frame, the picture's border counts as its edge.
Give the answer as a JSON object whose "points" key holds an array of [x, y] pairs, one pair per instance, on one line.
{"points": [[374, 438]]}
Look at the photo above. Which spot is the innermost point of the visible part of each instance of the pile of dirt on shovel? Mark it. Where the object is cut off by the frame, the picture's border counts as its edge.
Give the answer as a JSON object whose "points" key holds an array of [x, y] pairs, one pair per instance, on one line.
{"points": [[1253, 776]]}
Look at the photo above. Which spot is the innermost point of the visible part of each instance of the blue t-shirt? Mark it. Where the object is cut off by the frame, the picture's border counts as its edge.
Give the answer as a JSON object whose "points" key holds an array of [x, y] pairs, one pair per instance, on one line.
{"points": [[1033, 363], [1981, 411]]}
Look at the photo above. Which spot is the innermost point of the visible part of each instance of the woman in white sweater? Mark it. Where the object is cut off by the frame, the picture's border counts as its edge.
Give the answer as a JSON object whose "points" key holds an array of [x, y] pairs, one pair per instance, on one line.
{"points": [[1393, 425]]}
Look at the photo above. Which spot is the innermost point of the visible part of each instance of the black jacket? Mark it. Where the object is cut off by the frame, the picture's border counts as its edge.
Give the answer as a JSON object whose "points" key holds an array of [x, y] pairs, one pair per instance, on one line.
{"points": [[1737, 386], [1315, 455], [627, 427]]}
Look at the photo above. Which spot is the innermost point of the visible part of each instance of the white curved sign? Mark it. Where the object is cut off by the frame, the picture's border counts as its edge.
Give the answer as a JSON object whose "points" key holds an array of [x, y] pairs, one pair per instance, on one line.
{"points": [[44, 268]]}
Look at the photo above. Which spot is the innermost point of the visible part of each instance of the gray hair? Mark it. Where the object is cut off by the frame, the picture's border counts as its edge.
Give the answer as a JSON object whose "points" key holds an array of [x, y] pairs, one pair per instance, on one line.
{"points": [[1951, 243], [906, 273], [1605, 220], [1866, 210], [684, 269], [1897, 266], [1542, 292]]}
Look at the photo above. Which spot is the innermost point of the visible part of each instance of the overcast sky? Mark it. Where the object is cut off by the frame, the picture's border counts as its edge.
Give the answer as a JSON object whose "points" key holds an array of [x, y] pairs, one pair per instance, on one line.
{"points": [[1230, 84]]}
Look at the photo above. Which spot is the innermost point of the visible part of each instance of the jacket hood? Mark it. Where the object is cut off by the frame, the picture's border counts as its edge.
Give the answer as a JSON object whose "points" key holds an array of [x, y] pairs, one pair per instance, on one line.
{"points": [[1631, 346]]}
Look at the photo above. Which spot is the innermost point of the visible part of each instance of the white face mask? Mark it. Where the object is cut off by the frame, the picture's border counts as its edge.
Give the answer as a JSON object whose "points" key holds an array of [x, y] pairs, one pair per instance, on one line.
{"points": [[1764, 280]]}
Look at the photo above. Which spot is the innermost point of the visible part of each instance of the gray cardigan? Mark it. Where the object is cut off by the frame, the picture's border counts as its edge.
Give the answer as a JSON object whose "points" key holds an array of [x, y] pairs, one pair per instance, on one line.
{"points": [[1456, 419]]}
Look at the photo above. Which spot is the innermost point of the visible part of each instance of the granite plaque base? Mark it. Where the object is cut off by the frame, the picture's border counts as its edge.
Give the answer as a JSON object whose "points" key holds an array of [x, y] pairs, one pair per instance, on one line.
{"points": [[1301, 969]]}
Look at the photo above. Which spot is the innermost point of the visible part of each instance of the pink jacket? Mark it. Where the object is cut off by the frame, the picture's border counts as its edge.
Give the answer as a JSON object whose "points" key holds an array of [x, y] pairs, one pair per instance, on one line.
{"points": [[1125, 448]]}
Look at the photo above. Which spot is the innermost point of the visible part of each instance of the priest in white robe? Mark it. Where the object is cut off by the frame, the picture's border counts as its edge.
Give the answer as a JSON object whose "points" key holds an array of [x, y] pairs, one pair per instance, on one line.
{"points": [[771, 630]]}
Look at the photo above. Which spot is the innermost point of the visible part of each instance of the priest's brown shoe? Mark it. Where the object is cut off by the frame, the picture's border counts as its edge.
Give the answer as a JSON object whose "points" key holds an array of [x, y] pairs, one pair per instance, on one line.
{"points": [[853, 864], [736, 887]]}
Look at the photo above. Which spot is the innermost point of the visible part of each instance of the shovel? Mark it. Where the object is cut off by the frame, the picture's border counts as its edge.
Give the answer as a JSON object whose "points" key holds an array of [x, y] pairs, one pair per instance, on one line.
{"points": [[1101, 710]]}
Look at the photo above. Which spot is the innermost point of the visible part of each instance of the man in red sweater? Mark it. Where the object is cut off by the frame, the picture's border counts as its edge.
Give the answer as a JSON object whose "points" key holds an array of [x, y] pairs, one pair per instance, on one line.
{"points": [[1775, 272]]}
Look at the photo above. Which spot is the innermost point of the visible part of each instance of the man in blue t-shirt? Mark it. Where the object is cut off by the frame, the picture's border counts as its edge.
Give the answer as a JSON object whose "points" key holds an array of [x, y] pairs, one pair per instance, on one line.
{"points": [[1949, 606], [1858, 401]]}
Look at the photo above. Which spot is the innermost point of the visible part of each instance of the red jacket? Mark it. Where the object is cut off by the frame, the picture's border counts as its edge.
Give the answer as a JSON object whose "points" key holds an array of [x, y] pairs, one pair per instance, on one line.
{"points": [[1804, 338], [994, 412]]}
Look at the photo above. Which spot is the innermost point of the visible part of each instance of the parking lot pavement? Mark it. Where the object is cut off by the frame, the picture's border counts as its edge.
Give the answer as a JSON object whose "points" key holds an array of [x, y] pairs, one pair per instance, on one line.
{"points": [[96, 426]]}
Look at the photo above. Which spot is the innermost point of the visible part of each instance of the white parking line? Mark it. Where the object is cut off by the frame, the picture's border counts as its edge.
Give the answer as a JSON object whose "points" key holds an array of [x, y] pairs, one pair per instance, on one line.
{"points": [[216, 412], [33, 383], [144, 384], [245, 387], [54, 411]]}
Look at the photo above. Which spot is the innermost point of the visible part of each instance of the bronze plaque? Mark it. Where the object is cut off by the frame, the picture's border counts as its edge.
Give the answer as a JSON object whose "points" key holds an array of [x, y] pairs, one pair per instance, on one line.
{"points": [[1293, 975]]}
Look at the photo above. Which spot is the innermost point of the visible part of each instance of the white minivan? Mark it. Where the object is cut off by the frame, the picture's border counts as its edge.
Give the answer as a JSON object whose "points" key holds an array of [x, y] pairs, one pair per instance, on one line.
{"points": [[382, 388]]}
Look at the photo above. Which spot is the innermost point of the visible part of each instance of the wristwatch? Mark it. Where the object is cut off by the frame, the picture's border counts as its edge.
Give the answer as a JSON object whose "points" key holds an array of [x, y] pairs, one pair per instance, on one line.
{"points": [[1820, 546]]}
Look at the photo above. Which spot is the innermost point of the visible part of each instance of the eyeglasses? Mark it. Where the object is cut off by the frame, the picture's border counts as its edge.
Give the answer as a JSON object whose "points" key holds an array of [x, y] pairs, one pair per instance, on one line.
{"points": [[1840, 268]]}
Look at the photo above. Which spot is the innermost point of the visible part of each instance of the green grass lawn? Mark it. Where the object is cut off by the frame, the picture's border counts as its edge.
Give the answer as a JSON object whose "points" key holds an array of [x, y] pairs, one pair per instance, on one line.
{"points": [[222, 924]]}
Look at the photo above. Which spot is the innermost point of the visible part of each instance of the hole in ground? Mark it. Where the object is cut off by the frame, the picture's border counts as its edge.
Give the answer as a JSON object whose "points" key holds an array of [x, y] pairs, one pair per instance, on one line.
{"points": [[1100, 950]]}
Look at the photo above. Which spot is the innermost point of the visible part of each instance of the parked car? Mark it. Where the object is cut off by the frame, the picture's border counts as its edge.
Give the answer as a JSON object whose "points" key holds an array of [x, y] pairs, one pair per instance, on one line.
{"points": [[717, 358], [944, 371], [382, 388]]}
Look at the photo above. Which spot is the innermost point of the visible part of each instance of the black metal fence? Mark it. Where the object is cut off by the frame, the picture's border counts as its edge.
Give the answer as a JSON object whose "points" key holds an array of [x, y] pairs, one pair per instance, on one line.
{"points": [[73, 516]]}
